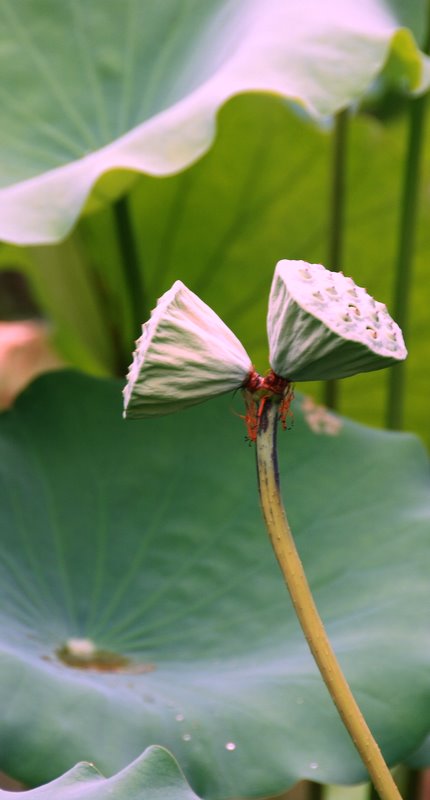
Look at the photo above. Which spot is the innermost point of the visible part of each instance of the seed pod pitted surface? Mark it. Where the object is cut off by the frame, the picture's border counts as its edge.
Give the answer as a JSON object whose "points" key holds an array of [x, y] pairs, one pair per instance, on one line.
{"points": [[321, 325]]}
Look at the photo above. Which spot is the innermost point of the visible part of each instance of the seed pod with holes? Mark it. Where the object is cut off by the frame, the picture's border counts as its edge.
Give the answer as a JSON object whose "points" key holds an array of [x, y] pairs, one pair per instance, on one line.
{"points": [[322, 326], [186, 355]]}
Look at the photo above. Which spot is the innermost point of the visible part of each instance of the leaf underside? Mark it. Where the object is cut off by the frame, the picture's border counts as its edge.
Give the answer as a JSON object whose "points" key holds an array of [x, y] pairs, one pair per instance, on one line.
{"points": [[85, 92]]}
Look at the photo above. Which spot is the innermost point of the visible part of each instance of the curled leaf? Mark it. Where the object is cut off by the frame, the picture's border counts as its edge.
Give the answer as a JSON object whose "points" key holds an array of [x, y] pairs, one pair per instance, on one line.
{"points": [[186, 355], [321, 325], [139, 88], [154, 773]]}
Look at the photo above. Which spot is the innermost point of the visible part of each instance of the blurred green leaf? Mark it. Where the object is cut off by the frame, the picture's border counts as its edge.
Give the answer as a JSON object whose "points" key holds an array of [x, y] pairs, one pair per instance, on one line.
{"points": [[125, 85], [146, 539], [75, 299], [154, 773]]}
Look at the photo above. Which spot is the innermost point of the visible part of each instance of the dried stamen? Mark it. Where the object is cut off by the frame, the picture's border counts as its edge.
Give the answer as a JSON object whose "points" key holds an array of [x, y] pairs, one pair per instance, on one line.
{"points": [[253, 381], [257, 391]]}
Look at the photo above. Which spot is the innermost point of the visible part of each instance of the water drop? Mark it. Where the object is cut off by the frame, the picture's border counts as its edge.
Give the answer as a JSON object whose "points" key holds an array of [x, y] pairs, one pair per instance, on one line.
{"points": [[179, 718], [230, 746], [314, 765], [187, 737]]}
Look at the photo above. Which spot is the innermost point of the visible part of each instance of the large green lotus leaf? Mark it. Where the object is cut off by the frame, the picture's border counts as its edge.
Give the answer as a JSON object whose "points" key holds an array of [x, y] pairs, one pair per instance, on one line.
{"points": [[153, 774], [132, 85], [146, 539]]}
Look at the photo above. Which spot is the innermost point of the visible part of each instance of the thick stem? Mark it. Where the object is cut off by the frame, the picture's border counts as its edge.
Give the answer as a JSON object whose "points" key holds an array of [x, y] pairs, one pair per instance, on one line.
{"points": [[336, 220], [414, 785], [315, 791], [307, 613], [338, 184], [405, 250], [130, 264]]}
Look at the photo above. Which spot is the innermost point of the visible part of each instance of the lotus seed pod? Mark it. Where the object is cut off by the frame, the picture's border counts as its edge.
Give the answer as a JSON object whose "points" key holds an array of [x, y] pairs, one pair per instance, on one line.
{"points": [[321, 325], [186, 355]]}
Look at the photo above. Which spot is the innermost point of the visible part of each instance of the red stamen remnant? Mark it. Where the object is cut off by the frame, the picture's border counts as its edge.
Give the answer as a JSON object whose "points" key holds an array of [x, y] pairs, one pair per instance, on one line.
{"points": [[251, 389], [251, 417], [253, 381], [274, 383], [257, 390], [285, 407]]}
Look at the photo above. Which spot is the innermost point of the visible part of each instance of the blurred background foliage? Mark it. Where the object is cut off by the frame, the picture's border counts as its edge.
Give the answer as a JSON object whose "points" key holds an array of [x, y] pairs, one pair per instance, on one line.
{"points": [[260, 194]]}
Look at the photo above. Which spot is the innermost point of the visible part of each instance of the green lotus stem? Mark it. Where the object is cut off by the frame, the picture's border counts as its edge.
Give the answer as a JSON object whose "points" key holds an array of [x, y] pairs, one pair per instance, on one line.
{"points": [[336, 221], [413, 784], [315, 791], [337, 200], [307, 613], [130, 264], [405, 254]]}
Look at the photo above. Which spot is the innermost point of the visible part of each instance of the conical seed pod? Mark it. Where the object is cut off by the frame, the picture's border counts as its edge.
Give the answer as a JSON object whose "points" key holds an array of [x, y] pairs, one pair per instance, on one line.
{"points": [[186, 355], [322, 326]]}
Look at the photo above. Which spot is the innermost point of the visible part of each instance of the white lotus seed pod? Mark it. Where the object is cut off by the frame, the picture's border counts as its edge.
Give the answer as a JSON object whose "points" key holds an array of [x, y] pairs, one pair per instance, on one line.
{"points": [[322, 326], [186, 355]]}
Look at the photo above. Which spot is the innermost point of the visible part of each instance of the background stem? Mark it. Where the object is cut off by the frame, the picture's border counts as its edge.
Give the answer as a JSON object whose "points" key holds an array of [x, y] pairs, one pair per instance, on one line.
{"points": [[413, 786], [405, 251], [307, 613], [336, 220], [315, 791], [403, 269], [130, 264]]}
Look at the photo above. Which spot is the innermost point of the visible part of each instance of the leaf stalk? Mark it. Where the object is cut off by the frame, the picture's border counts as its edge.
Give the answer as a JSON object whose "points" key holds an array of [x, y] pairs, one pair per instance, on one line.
{"points": [[405, 254], [337, 219], [130, 263], [306, 610]]}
